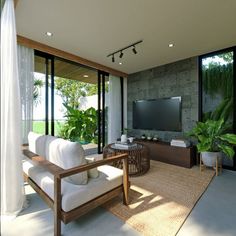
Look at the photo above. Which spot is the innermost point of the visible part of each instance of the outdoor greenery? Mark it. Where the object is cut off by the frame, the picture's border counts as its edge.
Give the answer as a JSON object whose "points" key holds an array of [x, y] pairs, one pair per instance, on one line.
{"points": [[223, 110], [218, 81], [212, 137], [38, 84], [72, 90], [39, 126], [81, 125]]}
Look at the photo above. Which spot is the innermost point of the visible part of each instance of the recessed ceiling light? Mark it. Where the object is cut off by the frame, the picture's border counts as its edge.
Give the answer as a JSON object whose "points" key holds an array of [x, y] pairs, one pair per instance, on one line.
{"points": [[171, 45], [120, 63], [49, 34], [85, 76]]}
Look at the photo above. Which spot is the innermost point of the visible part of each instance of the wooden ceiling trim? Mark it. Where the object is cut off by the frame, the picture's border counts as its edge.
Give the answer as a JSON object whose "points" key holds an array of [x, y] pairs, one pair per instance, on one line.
{"points": [[15, 3], [71, 57]]}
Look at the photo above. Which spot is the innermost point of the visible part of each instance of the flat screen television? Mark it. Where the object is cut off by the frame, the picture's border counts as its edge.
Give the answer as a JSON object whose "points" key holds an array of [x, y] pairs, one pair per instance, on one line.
{"points": [[158, 114]]}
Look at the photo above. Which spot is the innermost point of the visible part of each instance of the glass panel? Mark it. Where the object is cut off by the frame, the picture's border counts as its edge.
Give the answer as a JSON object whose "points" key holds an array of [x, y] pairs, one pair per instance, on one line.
{"points": [[75, 104], [49, 98], [39, 96], [217, 90], [106, 108]]}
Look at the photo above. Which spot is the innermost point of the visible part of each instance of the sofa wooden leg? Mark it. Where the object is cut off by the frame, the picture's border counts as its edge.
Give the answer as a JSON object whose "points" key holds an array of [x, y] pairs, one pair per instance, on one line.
{"points": [[201, 165], [217, 166], [57, 206], [125, 182], [57, 226]]}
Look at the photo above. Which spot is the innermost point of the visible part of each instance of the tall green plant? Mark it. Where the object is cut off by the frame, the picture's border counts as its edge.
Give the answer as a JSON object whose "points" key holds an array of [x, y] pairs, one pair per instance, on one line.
{"points": [[212, 137], [80, 125], [223, 111]]}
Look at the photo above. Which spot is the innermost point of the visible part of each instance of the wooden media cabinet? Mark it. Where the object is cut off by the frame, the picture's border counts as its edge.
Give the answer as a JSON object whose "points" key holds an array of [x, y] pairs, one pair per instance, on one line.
{"points": [[164, 152]]}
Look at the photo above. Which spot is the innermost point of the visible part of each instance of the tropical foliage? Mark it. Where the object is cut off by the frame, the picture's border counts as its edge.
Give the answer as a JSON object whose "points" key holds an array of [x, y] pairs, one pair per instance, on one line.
{"points": [[212, 137], [223, 110], [81, 125]]}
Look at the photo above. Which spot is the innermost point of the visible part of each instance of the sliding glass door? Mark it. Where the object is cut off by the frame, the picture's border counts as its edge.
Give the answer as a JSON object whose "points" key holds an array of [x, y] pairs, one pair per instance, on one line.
{"points": [[103, 83], [43, 94], [76, 104], [71, 102]]}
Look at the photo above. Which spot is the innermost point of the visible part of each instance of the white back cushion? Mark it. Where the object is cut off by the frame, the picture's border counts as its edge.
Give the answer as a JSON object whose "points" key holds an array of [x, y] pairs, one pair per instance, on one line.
{"points": [[37, 143], [68, 154], [47, 145]]}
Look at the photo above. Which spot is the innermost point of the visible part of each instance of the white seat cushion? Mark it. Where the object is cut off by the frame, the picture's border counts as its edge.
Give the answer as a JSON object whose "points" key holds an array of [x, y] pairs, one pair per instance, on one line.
{"points": [[75, 195]]}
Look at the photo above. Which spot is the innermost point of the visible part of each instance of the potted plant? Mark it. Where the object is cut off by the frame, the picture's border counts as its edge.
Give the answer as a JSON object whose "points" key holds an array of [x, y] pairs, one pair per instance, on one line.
{"points": [[213, 140]]}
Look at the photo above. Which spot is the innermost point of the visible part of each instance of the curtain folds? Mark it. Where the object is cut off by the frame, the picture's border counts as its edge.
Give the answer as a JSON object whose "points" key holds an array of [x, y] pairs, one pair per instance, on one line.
{"points": [[26, 78], [12, 197], [114, 109]]}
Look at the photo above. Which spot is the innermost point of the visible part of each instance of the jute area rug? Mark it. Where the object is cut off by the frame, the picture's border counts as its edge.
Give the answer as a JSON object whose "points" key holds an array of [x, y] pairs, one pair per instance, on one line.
{"points": [[161, 200]]}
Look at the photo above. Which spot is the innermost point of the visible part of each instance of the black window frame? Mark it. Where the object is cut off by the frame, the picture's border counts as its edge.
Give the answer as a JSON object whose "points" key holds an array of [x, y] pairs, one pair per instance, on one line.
{"points": [[101, 76], [200, 113]]}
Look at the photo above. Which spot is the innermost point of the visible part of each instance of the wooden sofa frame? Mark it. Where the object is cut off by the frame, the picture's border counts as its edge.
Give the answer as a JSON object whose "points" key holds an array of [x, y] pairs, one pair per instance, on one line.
{"points": [[59, 174]]}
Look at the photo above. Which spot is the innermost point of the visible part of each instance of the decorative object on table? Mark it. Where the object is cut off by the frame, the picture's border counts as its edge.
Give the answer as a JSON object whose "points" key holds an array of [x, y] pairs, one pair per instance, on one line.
{"points": [[143, 136], [180, 143], [123, 138], [212, 137], [155, 138], [131, 139]]}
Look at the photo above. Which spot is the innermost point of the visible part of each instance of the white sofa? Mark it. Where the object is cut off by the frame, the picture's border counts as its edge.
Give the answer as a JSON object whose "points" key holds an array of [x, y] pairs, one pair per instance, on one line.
{"points": [[70, 184]]}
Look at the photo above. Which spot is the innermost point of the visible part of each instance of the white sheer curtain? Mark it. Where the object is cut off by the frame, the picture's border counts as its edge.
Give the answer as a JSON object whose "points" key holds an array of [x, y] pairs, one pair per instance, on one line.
{"points": [[114, 109], [12, 197], [26, 78]]}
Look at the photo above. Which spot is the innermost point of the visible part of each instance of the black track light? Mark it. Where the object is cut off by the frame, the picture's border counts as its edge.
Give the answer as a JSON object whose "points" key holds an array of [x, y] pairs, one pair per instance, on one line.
{"points": [[120, 51], [134, 50]]}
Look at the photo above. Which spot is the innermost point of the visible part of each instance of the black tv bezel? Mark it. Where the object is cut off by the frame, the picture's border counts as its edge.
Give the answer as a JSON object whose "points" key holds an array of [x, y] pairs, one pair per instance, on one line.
{"points": [[165, 98]]}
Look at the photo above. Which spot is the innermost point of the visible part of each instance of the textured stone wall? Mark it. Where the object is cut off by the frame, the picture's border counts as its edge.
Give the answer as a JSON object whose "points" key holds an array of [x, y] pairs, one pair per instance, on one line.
{"points": [[176, 79]]}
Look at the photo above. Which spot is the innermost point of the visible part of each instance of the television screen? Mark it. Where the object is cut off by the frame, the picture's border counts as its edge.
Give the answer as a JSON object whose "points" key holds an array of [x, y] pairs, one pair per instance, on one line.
{"points": [[158, 114]]}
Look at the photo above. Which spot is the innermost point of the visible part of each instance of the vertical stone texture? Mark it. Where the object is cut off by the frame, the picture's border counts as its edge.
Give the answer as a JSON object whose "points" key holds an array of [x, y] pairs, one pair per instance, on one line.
{"points": [[176, 79]]}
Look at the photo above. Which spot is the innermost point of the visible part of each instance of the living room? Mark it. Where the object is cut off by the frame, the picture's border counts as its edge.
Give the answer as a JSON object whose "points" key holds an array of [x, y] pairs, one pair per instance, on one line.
{"points": [[146, 71]]}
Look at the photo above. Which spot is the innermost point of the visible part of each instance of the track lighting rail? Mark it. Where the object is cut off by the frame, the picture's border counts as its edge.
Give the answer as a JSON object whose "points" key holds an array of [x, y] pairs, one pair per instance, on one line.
{"points": [[122, 49]]}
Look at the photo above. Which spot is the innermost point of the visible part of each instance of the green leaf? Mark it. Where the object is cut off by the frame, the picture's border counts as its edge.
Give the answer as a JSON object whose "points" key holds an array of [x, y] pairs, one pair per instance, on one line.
{"points": [[227, 150], [204, 146], [230, 138]]}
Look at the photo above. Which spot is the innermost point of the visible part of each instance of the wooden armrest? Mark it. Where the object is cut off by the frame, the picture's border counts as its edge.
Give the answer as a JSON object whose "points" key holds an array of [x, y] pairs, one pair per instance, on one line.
{"points": [[76, 170], [50, 167], [24, 146]]}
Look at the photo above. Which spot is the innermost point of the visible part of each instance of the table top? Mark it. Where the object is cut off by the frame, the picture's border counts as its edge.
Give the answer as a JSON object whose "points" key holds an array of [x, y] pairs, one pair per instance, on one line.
{"points": [[137, 146]]}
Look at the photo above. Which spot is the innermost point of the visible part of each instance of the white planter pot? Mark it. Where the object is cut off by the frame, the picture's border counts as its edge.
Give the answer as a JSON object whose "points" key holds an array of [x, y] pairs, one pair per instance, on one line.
{"points": [[209, 158]]}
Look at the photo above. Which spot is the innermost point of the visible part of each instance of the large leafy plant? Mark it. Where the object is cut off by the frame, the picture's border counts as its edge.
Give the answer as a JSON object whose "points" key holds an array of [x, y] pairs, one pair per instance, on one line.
{"points": [[80, 125], [212, 137]]}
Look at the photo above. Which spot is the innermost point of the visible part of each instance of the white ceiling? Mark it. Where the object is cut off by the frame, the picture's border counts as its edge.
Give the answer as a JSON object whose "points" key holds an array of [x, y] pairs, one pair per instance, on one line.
{"points": [[92, 29]]}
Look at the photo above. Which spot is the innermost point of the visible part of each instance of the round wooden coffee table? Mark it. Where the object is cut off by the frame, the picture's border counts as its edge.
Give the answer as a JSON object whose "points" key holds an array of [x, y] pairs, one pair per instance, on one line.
{"points": [[138, 158]]}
